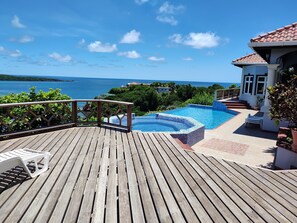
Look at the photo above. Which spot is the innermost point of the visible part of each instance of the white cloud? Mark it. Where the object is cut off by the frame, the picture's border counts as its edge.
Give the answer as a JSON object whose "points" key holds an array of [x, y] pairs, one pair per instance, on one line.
{"points": [[188, 58], [176, 38], [140, 2], [23, 39], [131, 37], [99, 47], [60, 58], [15, 53], [156, 59], [130, 54], [167, 19], [82, 42], [197, 40], [1, 49], [15, 22], [26, 39], [167, 12], [168, 8]]}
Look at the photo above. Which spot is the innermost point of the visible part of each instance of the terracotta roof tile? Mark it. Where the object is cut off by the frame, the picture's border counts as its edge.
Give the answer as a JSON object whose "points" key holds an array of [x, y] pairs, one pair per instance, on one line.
{"points": [[284, 34], [253, 58]]}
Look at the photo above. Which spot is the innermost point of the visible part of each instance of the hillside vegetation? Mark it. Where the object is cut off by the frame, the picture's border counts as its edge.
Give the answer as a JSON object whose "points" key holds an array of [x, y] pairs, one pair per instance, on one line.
{"points": [[146, 99]]}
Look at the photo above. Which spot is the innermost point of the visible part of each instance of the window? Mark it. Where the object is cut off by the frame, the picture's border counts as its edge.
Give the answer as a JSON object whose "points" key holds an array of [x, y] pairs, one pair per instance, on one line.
{"points": [[248, 84], [261, 85]]}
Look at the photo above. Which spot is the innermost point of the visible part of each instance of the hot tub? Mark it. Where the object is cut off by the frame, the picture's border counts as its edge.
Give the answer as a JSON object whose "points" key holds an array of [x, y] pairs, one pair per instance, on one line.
{"points": [[186, 129]]}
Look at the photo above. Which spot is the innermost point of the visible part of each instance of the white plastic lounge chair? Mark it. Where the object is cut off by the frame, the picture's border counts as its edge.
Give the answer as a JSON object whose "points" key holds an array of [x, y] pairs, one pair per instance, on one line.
{"points": [[254, 120], [22, 158]]}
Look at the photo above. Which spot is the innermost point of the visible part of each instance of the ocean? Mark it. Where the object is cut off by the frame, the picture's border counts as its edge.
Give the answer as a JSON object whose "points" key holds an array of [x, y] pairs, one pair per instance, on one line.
{"points": [[83, 88]]}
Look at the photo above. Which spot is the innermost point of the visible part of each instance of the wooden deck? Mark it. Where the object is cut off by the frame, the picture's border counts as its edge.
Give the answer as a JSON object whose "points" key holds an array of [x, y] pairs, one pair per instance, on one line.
{"points": [[103, 175]]}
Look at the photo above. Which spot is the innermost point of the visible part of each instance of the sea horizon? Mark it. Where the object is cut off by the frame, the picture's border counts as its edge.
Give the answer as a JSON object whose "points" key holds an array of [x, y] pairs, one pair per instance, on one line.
{"points": [[86, 87]]}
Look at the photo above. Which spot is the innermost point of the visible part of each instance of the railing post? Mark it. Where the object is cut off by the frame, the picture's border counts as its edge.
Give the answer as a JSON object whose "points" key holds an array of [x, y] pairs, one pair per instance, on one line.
{"points": [[74, 112], [99, 112], [129, 118]]}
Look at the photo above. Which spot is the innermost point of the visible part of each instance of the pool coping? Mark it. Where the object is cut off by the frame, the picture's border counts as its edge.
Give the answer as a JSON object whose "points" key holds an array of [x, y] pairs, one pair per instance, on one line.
{"points": [[189, 136]]}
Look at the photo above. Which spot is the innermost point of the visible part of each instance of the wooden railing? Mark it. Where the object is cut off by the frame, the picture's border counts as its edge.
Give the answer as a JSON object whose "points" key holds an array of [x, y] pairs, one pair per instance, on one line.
{"points": [[230, 93], [31, 117]]}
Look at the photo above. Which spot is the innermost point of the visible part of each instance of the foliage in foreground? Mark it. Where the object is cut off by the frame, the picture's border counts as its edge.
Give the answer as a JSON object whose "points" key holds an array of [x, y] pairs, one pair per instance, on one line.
{"points": [[283, 98], [34, 116]]}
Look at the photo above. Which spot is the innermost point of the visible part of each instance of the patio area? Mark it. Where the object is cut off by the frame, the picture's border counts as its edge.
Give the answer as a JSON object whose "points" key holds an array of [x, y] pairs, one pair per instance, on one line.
{"points": [[103, 175], [234, 142]]}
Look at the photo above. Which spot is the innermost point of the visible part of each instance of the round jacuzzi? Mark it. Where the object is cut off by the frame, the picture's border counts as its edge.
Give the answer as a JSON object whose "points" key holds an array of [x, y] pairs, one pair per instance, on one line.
{"points": [[155, 123], [186, 129]]}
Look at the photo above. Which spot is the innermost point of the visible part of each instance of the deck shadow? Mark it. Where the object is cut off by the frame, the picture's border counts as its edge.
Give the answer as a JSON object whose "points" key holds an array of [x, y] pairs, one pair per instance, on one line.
{"points": [[12, 177], [255, 131]]}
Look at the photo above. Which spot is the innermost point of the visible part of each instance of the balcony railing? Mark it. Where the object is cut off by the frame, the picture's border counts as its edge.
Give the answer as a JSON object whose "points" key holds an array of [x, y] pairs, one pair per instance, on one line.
{"points": [[230, 93], [31, 117]]}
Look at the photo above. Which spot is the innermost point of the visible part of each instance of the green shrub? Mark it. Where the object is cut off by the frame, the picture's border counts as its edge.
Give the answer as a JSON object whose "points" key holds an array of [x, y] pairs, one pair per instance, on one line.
{"points": [[283, 99], [201, 98], [19, 118]]}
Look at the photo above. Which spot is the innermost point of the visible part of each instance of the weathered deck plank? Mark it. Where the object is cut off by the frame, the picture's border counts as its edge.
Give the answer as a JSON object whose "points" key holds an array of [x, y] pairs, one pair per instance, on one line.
{"points": [[45, 189], [85, 213], [103, 175], [25, 189], [165, 188], [124, 204], [173, 171], [99, 210], [150, 178], [111, 199]]}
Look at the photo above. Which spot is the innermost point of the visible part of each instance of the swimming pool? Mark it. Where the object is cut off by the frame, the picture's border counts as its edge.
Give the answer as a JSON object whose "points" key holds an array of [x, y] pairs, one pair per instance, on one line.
{"points": [[206, 115]]}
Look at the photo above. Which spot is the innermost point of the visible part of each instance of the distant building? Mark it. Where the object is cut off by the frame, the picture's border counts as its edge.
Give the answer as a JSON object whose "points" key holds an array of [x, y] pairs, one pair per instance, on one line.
{"points": [[163, 89], [136, 84]]}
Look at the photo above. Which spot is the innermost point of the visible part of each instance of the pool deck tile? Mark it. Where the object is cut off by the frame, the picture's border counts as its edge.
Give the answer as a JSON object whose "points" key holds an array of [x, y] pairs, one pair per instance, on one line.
{"points": [[226, 146], [260, 144]]}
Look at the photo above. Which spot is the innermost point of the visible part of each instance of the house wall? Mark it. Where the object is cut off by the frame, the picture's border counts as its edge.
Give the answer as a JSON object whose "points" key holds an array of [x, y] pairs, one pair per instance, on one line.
{"points": [[253, 70], [278, 52]]}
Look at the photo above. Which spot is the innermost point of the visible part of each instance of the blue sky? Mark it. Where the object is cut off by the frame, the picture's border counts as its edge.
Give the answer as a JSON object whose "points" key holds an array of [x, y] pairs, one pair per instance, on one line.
{"points": [[135, 39]]}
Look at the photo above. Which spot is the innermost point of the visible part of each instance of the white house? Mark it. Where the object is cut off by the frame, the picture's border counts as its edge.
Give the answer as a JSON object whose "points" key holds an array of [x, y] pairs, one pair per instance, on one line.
{"points": [[275, 51], [253, 78]]}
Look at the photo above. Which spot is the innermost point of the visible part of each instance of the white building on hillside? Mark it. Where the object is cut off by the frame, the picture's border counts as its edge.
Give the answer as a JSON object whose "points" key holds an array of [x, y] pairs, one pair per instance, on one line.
{"points": [[163, 89]]}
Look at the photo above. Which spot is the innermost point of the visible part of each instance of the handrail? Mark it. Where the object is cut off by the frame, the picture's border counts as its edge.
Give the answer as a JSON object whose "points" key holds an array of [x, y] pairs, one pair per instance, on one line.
{"points": [[64, 101], [29, 117], [229, 93]]}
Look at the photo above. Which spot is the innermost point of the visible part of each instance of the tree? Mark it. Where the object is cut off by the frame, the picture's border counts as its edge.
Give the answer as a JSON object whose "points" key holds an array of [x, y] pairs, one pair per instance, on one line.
{"points": [[233, 86], [185, 92], [215, 87]]}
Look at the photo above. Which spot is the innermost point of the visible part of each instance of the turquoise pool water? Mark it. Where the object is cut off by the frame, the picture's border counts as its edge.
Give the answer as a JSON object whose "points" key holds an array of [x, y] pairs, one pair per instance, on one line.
{"points": [[206, 115], [153, 124]]}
